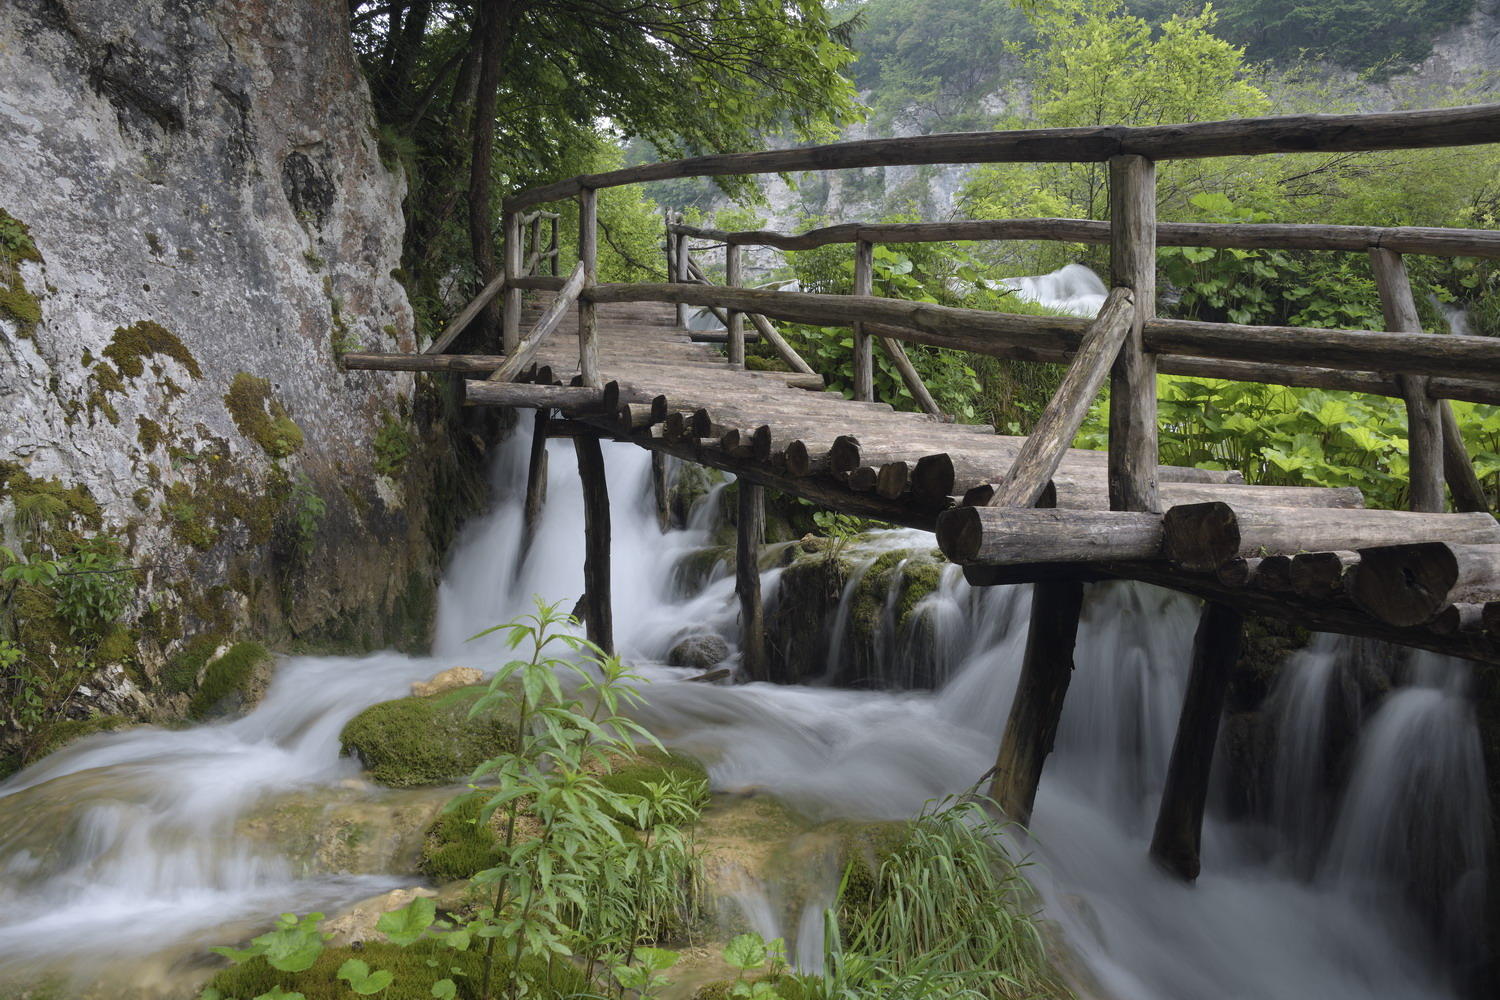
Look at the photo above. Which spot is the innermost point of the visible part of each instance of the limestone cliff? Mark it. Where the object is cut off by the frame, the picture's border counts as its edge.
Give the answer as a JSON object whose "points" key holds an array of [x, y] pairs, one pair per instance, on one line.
{"points": [[194, 219]]}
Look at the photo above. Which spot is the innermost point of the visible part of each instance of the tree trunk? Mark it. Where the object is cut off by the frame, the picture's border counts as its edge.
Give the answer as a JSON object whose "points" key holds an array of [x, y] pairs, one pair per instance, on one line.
{"points": [[492, 32]]}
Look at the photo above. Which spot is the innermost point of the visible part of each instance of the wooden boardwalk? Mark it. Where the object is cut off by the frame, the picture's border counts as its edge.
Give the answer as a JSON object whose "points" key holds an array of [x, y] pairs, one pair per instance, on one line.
{"points": [[1024, 510]]}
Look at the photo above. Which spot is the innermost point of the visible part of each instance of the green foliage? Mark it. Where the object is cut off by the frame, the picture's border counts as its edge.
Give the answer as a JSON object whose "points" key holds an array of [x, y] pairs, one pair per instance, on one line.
{"points": [[426, 741], [93, 588], [393, 445], [457, 845], [308, 510], [132, 345], [261, 417], [16, 243]]}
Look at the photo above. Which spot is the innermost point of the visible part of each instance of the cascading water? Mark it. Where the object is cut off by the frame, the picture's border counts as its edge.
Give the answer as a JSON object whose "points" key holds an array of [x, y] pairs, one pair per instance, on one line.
{"points": [[124, 845]]}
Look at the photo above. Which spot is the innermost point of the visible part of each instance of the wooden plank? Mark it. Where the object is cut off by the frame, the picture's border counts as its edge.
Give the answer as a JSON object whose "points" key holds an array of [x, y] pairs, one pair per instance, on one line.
{"points": [[542, 283], [1176, 842], [478, 364], [526, 349], [598, 612], [1132, 392], [1243, 137], [588, 259], [749, 534], [1046, 670], [1054, 432], [510, 309], [1423, 422], [864, 359], [1000, 535], [1237, 236], [1203, 536]]}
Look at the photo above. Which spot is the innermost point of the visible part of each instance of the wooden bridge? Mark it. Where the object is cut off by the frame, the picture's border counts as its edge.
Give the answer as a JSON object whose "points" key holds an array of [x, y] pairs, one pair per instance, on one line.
{"points": [[1032, 509]]}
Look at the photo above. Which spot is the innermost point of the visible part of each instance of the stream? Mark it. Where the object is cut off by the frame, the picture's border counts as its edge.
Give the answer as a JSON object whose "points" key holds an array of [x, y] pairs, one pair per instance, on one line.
{"points": [[118, 854]]}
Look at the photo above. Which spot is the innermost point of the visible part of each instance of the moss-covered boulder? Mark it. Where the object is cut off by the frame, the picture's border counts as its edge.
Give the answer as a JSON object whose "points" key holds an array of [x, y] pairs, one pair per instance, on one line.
{"points": [[416, 968], [427, 741], [457, 845], [231, 680]]}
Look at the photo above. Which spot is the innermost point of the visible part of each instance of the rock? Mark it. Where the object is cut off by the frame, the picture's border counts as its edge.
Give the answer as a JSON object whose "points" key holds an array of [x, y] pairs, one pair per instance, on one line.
{"points": [[447, 680], [358, 922], [701, 650], [427, 741]]}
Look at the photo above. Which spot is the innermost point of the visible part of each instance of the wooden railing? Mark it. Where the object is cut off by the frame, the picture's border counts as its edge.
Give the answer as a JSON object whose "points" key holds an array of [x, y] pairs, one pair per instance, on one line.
{"points": [[1424, 370]]}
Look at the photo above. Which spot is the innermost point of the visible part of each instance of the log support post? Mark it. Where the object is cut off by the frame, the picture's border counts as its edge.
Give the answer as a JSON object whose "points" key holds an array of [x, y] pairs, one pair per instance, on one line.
{"points": [[1132, 393], [598, 615], [536, 240], [735, 327], [751, 531], [536, 484], [1178, 837], [510, 310], [680, 273], [864, 357], [553, 250], [588, 256], [1045, 674], [1423, 421]]}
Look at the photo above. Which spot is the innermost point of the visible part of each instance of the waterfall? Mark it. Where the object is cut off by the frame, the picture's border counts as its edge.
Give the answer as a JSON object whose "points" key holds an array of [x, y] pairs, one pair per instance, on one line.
{"points": [[123, 845]]}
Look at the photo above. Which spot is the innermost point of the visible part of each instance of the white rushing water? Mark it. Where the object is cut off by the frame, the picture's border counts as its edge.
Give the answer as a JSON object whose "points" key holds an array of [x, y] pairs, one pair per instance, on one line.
{"points": [[123, 844]]}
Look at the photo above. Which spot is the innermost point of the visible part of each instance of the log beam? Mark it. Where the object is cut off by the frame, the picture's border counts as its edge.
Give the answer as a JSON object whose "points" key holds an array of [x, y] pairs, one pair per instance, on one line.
{"points": [[1132, 394], [598, 612], [750, 533]]}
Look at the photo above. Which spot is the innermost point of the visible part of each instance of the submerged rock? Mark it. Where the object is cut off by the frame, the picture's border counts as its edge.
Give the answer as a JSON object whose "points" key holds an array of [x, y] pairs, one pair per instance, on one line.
{"points": [[701, 651], [427, 741]]}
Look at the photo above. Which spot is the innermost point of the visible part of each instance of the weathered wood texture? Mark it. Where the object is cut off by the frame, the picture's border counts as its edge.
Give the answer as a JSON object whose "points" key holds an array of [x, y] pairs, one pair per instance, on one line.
{"points": [[1046, 671], [1423, 422], [598, 608], [1204, 536], [1058, 425], [750, 532], [1176, 842], [1021, 535], [466, 316], [864, 358], [536, 485], [734, 325], [1238, 236], [588, 259], [526, 349], [1249, 136], [510, 311], [1410, 584], [1132, 385]]}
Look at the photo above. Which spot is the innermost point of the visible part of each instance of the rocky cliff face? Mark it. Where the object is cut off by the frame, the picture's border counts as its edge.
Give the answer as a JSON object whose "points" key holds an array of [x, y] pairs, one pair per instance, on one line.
{"points": [[196, 219]]}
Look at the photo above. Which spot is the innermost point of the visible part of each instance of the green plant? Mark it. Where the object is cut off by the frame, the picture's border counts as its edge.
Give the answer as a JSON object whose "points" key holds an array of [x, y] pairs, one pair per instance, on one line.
{"points": [[393, 446], [92, 589], [308, 510]]}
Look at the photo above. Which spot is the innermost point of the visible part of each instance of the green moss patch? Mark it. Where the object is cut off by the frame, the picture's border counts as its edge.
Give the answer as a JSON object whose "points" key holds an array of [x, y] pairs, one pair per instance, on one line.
{"points": [[19, 304], [16, 301], [393, 445], [416, 968], [427, 741], [261, 417], [457, 845], [132, 345], [229, 680]]}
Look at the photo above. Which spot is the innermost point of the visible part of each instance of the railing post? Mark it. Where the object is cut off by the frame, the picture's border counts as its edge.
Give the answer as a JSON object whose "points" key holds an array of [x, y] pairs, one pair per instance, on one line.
{"points": [[1132, 393], [588, 255], [682, 273], [864, 358], [536, 239], [510, 316], [736, 325], [553, 251], [1424, 423]]}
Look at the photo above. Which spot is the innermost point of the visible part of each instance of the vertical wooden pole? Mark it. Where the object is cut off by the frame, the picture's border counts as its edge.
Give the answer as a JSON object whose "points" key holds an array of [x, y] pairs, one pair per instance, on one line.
{"points": [[553, 250], [1045, 674], [671, 245], [536, 484], [660, 491], [598, 615], [864, 357], [1132, 386], [682, 274], [588, 254], [1424, 423], [1463, 482], [1178, 837], [510, 316], [736, 329], [536, 239], [752, 529]]}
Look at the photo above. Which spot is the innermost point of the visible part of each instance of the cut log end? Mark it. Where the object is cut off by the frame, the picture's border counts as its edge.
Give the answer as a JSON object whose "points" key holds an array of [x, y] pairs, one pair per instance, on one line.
{"points": [[959, 534], [1202, 536]]}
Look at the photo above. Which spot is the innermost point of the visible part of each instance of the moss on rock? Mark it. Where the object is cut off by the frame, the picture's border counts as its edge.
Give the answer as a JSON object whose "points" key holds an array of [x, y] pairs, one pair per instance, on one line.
{"points": [[457, 845], [230, 680], [426, 741], [653, 766], [416, 968], [132, 345], [261, 417]]}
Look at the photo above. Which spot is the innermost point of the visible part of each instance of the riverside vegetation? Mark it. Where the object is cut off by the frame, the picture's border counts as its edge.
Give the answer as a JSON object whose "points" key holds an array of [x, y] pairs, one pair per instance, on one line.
{"points": [[576, 841]]}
